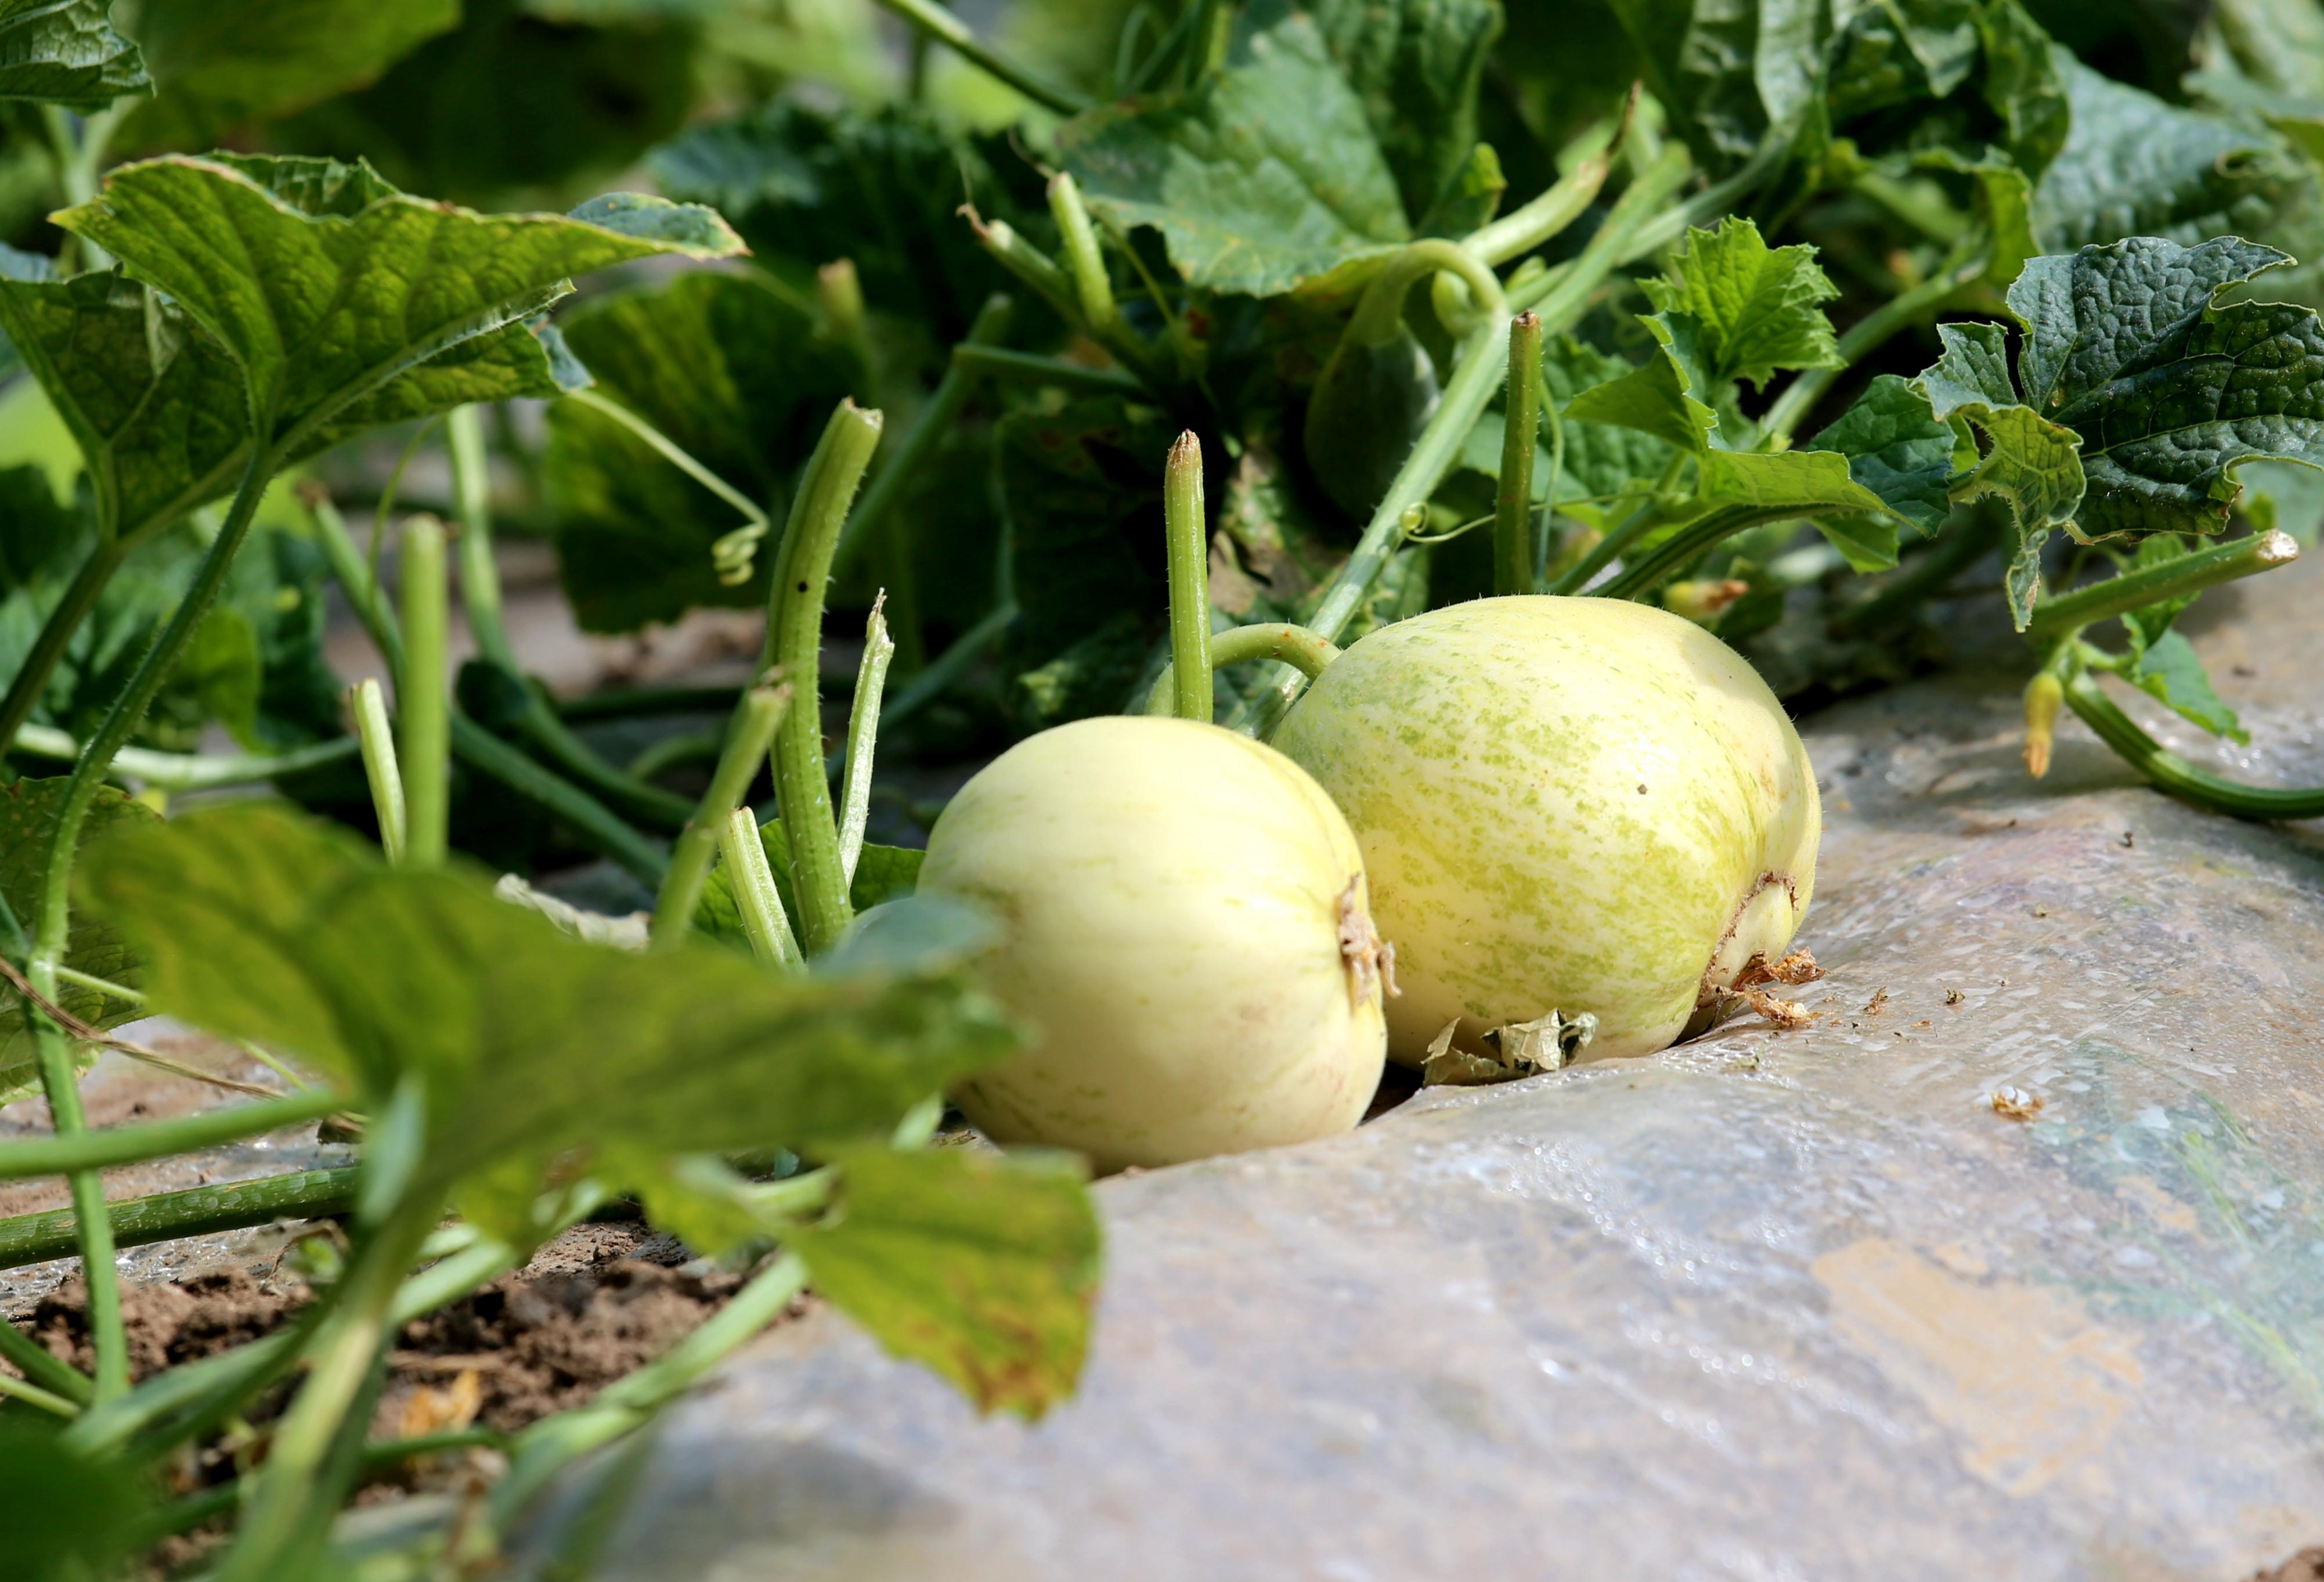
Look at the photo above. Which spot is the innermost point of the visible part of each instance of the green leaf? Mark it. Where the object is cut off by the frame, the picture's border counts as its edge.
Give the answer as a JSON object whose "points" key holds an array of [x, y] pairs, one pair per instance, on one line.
{"points": [[2169, 391], [883, 873], [2134, 166], [985, 1268], [1757, 309], [2169, 669], [223, 64], [1725, 68], [2025, 86], [153, 402], [269, 280], [1894, 54], [1657, 398], [1082, 485], [28, 819], [735, 373], [1416, 65], [1810, 480], [1973, 370], [1471, 197], [67, 52], [68, 1515], [1265, 175], [1900, 451], [1867, 542], [1602, 459], [805, 186], [258, 922]]}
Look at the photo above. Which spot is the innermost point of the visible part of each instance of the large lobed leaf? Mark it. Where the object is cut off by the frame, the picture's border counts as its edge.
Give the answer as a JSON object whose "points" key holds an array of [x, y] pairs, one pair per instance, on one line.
{"points": [[28, 817], [1757, 310], [1416, 66], [731, 371], [1265, 175], [258, 922], [67, 52], [981, 1267], [331, 291]]}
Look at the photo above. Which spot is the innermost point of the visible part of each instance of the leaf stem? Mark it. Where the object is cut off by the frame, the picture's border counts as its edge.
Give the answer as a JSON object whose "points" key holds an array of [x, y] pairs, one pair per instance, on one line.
{"points": [[1691, 543], [764, 921], [367, 704], [863, 741], [2174, 774], [184, 771], [1379, 311], [16, 1389], [938, 416], [793, 642], [1527, 226], [480, 596], [947, 29], [1187, 542], [422, 697], [1033, 368], [34, 1238], [1513, 534], [56, 636], [120, 1145], [748, 738], [733, 552], [2058, 618], [1006, 247], [1296, 646]]}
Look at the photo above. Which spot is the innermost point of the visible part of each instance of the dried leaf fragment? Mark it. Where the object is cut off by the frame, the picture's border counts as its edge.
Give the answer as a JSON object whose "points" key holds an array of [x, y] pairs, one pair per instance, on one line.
{"points": [[1784, 1014], [2015, 1103], [447, 1409], [1550, 1042]]}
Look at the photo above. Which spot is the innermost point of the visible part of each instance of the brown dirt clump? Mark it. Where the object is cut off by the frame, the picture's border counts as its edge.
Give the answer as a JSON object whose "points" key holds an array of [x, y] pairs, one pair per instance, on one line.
{"points": [[2307, 1566], [174, 1323]]}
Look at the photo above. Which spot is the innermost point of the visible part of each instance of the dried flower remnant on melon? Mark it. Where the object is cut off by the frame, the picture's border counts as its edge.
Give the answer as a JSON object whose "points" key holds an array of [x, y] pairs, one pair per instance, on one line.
{"points": [[1750, 987], [1370, 960]]}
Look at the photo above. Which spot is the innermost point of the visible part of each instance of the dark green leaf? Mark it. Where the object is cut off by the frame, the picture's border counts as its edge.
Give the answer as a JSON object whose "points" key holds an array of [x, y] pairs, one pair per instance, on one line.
{"points": [[2168, 392], [1657, 398], [1368, 407], [269, 281], [1867, 542], [2025, 84], [1894, 54], [260, 923], [733, 373], [982, 1267], [1900, 451], [1415, 65], [67, 52], [66, 1517], [1266, 175], [1756, 309], [1602, 459], [1469, 199], [222, 64], [805, 187], [2169, 669], [28, 816]]}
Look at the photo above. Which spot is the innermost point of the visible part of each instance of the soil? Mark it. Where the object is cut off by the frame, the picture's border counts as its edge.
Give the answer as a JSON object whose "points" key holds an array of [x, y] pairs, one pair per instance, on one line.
{"points": [[2307, 1566]]}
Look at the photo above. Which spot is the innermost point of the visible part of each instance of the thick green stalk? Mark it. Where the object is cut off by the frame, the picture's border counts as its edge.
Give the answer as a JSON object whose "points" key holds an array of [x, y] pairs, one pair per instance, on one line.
{"points": [[947, 29], [119, 1145], [2056, 619], [480, 597], [764, 921], [1525, 228], [184, 771], [2174, 774], [794, 642], [1513, 535], [748, 738], [367, 703], [1033, 368], [59, 1080], [33, 1238], [863, 741], [1296, 646], [938, 416], [1378, 316], [423, 697], [1186, 535], [342, 1358], [478, 747], [32, 678]]}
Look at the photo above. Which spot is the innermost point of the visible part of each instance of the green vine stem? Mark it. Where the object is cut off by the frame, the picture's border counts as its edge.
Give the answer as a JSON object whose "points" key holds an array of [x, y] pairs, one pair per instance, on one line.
{"points": [[297, 1490], [478, 747], [120, 1145], [1296, 646], [1690, 543], [731, 553], [1527, 226], [764, 921], [367, 705], [1187, 540], [645, 703], [863, 741], [1085, 261], [794, 642], [937, 418], [1032, 368], [480, 597], [422, 697], [185, 772], [748, 738], [15, 1389], [1379, 311], [1513, 535], [2174, 774], [948, 30], [1002, 242], [56, 634], [2057, 619], [33, 1238], [41, 1366]]}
